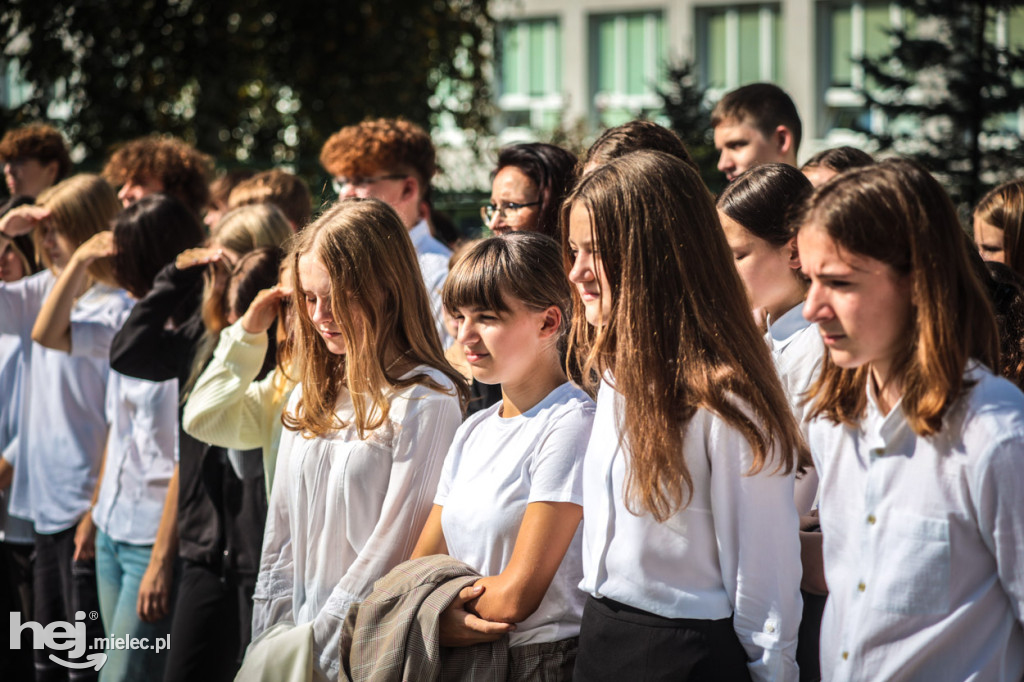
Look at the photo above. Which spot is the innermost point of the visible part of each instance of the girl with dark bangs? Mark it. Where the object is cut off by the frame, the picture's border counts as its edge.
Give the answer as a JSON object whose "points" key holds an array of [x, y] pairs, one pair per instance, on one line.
{"points": [[365, 431], [691, 555], [919, 447], [510, 499]]}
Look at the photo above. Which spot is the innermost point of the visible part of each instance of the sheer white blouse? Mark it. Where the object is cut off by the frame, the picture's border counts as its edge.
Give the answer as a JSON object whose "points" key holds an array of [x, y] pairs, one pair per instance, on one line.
{"points": [[344, 511]]}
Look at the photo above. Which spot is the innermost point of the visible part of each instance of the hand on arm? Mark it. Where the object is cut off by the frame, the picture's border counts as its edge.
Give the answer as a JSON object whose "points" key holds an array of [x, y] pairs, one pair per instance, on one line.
{"points": [[459, 626], [155, 589], [6, 474], [85, 533], [263, 310], [53, 325], [22, 220]]}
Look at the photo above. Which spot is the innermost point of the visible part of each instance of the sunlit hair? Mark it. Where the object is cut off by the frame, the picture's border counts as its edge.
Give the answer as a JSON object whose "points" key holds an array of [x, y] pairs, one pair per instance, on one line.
{"points": [[680, 336], [635, 136], [897, 213], [383, 145], [553, 171], [37, 141], [763, 106], [79, 207], [180, 167], [148, 235], [254, 272], [839, 159], [286, 191], [251, 227], [763, 200], [380, 306], [522, 266], [221, 186], [1003, 208]]}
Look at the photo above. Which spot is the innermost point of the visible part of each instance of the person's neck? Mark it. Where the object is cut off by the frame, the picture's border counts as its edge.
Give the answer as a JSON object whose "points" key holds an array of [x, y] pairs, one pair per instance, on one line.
{"points": [[524, 394], [794, 298], [888, 389]]}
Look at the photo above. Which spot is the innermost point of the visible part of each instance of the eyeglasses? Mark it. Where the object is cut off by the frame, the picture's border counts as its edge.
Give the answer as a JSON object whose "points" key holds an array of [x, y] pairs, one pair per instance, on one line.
{"points": [[489, 211], [340, 183]]}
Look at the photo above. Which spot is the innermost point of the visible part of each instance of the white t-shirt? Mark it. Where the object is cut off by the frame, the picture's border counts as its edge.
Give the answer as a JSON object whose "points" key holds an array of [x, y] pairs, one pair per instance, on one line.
{"points": [[496, 467], [433, 257], [12, 528], [343, 511], [63, 424]]}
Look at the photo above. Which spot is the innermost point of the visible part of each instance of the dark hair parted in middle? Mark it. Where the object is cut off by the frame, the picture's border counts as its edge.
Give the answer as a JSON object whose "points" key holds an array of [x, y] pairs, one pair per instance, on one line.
{"points": [[763, 200], [526, 266], [551, 168], [680, 335], [148, 234]]}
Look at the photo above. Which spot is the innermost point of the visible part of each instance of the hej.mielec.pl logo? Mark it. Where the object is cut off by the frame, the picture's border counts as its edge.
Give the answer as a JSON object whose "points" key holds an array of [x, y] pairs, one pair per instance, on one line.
{"points": [[59, 635]]}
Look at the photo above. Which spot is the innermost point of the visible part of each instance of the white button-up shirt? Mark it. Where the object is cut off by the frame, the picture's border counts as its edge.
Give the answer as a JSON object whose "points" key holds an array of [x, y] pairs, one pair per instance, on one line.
{"points": [[433, 258], [141, 451], [733, 551], [797, 350], [924, 541]]}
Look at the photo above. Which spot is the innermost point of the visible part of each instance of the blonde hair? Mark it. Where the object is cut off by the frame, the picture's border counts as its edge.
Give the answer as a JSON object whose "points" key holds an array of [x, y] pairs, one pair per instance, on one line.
{"points": [[372, 265], [80, 207], [251, 227]]}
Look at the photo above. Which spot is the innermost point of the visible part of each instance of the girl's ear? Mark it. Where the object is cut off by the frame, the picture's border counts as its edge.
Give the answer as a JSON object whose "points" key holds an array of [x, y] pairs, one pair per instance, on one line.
{"points": [[552, 323], [794, 254]]}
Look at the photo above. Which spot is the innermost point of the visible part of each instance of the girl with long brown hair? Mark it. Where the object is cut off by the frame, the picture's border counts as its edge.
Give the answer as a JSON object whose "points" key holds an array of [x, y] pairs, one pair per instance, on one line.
{"points": [[366, 430], [919, 447], [999, 225], [691, 555]]}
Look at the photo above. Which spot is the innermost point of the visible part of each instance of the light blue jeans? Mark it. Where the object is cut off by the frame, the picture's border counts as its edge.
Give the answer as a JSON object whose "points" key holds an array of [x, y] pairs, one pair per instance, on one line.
{"points": [[119, 570]]}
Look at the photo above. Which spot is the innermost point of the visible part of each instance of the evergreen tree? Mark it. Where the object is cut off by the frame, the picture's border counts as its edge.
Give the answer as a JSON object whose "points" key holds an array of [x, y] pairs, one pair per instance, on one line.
{"points": [[684, 105], [950, 96]]}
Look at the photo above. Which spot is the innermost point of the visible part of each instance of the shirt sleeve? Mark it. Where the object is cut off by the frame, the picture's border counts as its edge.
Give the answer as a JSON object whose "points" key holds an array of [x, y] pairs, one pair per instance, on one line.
{"points": [[227, 406], [997, 491], [20, 302], [425, 433], [556, 466], [756, 527], [91, 338], [272, 598]]}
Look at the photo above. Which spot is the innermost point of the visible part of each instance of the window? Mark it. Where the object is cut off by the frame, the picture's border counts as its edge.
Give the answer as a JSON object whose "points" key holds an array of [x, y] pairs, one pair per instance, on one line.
{"points": [[530, 73], [738, 45], [848, 32], [627, 64], [13, 90]]}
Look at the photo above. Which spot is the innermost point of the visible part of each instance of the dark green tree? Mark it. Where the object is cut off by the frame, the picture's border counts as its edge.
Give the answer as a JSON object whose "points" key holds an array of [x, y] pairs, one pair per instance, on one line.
{"points": [[684, 104], [951, 96], [254, 82]]}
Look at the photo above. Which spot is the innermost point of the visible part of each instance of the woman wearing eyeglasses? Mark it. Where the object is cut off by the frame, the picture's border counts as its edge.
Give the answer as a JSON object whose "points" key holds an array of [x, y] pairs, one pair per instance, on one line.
{"points": [[528, 187]]}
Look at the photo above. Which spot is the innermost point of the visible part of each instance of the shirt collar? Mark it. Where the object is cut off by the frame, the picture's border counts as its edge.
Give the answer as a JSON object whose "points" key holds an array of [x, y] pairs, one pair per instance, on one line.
{"points": [[420, 232], [783, 330]]}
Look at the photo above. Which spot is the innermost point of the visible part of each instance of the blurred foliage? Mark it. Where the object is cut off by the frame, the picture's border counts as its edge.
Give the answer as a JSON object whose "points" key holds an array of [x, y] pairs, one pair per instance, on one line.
{"points": [[950, 96], [252, 82], [685, 106]]}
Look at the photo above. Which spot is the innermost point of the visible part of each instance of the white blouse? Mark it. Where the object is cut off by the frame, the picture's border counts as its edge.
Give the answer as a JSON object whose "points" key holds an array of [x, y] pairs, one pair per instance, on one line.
{"points": [[12, 529], [495, 468], [797, 350], [924, 541], [344, 511], [733, 551]]}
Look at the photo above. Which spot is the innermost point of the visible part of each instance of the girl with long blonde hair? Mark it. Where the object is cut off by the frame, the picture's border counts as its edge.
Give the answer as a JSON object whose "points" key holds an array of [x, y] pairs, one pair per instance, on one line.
{"points": [[366, 430], [691, 554]]}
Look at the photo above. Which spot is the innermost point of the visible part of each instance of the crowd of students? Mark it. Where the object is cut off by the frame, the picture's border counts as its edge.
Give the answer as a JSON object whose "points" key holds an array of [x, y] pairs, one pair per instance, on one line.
{"points": [[639, 433]]}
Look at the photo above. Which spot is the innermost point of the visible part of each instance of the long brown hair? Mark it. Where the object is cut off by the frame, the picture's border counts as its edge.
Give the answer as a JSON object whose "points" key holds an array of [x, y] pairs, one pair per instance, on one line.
{"points": [[373, 269], [1003, 208], [80, 207], [680, 336], [897, 213]]}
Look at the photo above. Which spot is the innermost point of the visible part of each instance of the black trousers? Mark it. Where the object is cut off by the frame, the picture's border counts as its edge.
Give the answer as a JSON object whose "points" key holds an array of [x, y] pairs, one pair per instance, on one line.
{"points": [[62, 588], [16, 596], [619, 642], [212, 624]]}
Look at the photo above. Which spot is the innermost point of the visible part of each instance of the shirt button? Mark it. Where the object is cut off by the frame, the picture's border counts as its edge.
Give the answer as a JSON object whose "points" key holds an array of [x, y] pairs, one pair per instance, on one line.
{"points": [[871, 519], [878, 451], [769, 628], [861, 587], [846, 655]]}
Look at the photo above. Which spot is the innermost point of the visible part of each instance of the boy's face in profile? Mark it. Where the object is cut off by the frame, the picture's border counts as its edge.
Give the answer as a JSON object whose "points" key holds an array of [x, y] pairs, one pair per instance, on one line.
{"points": [[742, 146]]}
